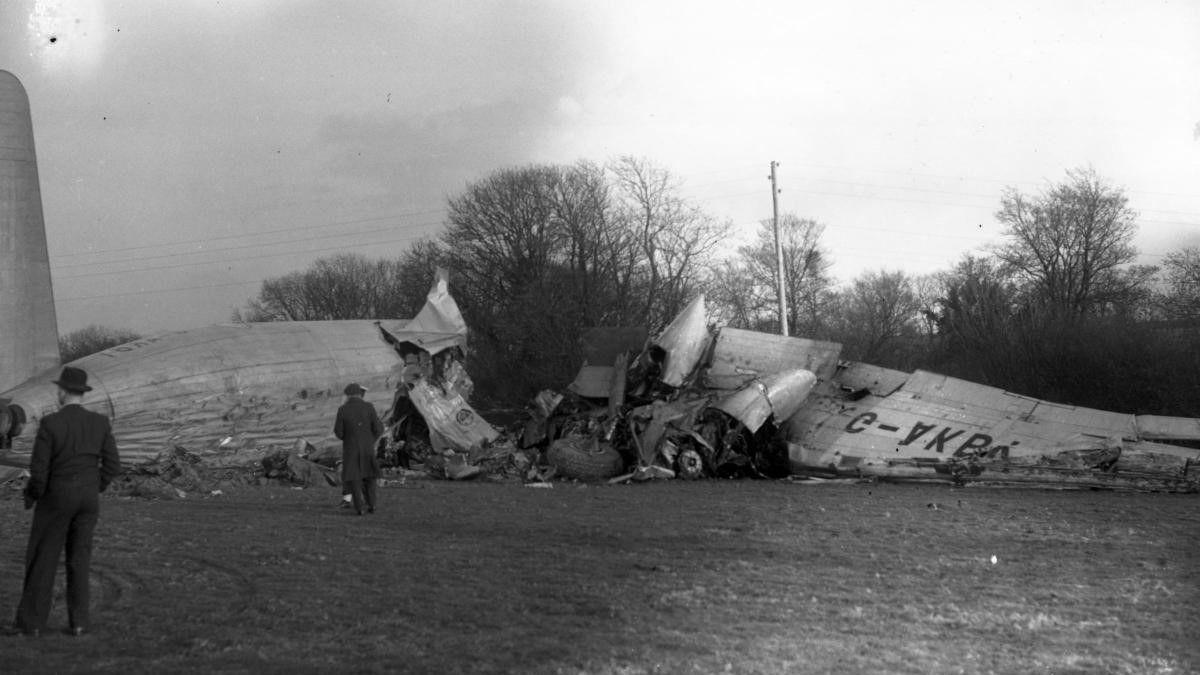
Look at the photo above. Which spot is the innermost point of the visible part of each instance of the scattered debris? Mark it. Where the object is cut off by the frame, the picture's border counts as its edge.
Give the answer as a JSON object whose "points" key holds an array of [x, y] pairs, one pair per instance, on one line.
{"points": [[689, 405]]}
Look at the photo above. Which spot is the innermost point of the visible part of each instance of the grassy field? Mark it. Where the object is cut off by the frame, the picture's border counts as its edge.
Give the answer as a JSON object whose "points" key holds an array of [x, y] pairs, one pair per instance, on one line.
{"points": [[709, 577]]}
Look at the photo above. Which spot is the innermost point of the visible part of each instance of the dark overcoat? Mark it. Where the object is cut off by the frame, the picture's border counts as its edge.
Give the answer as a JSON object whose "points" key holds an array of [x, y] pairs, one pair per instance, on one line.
{"points": [[74, 459], [73, 445], [359, 427]]}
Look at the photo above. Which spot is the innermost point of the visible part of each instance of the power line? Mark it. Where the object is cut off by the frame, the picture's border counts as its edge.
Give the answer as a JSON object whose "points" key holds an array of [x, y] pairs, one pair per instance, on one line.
{"points": [[246, 246], [987, 180], [412, 226], [910, 188], [155, 291], [284, 230]]}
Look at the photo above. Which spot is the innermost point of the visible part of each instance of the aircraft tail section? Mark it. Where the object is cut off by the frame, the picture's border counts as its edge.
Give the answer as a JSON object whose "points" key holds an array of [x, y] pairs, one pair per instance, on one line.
{"points": [[28, 325]]}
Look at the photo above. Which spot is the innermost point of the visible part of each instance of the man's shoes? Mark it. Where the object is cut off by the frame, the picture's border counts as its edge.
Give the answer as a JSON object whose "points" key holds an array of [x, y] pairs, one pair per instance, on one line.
{"points": [[17, 630], [370, 509], [76, 631]]}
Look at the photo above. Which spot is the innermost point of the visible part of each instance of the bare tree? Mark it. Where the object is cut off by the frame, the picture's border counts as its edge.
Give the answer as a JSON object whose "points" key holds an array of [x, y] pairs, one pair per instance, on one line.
{"points": [[1181, 269], [735, 299], [501, 235], [600, 255], [878, 315], [92, 339], [538, 258], [805, 270], [975, 319], [344, 286], [415, 272], [1068, 243], [675, 238]]}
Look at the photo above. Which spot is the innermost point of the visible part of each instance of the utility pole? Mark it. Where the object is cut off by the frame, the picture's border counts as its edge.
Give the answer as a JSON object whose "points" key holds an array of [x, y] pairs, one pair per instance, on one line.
{"points": [[783, 322]]}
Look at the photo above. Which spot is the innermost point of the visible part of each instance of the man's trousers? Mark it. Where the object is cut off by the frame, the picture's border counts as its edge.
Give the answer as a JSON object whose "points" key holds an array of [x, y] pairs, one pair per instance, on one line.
{"points": [[64, 517]]}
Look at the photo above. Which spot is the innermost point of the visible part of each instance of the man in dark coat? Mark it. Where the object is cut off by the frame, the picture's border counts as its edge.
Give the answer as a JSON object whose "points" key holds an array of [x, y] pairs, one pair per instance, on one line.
{"points": [[359, 427], [74, 459]]}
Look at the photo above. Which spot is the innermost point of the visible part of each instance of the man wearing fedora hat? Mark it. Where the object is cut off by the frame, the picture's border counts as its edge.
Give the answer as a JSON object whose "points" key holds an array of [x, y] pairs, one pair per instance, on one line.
{"points": [[74, 459], [358, 426]]}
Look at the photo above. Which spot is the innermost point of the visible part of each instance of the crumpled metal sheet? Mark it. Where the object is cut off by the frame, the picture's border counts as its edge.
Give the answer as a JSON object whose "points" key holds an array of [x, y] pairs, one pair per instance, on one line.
{"points": [[683, 342], [593, 381], [450, 419], [741, 356], [779, 395], [438, 326], [679, 415]]}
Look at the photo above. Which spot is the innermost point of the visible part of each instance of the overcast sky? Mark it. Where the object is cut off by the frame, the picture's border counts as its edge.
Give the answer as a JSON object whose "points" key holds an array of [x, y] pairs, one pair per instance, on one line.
{"points": [[190, 149]]}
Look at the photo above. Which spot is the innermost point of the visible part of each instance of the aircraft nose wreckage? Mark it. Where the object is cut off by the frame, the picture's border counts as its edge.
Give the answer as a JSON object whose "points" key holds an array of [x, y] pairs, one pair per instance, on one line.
{"points": [[740, 402]]}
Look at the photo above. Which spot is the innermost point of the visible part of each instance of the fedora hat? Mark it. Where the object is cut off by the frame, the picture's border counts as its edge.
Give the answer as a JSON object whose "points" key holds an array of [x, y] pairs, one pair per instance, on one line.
{"points": [[354, 389], [73, 380]]}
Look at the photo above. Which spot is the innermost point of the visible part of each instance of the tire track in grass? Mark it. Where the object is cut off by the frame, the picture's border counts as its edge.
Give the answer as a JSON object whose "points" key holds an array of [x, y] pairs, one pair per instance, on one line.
{"points": [[118, 588], [240, 594]]}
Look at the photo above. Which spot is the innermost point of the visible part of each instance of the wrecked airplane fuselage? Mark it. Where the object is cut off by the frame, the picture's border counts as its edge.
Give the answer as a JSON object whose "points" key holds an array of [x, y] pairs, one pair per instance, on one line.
{"points": [[225, 388], [923, 426], [833, 418], [221, 387]]}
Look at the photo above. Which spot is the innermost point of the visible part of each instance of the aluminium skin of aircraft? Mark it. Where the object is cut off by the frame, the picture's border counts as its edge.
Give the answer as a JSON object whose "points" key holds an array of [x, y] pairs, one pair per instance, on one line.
{"points": [[860, 420], [845, 419], [214, 389]]}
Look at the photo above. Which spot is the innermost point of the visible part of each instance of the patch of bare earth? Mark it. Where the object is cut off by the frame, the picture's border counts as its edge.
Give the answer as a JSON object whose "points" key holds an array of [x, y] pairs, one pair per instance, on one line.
{"points": [[737, 576]]}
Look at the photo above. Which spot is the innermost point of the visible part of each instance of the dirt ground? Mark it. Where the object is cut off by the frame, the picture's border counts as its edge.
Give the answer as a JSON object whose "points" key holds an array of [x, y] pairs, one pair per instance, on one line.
{"points": [[713, 576]]}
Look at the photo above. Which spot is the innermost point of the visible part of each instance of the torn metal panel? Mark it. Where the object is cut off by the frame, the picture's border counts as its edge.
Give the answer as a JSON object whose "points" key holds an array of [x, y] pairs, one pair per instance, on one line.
{"points": [[1161, 427], [593, 381], [544, 405], [877, 380], [438, 326], [602, 381], [682, 343], [605, 358], [660, 417], [453, 375], [616, 394], [1160, 457], [778, 394], [741, 356], [452, 422]]}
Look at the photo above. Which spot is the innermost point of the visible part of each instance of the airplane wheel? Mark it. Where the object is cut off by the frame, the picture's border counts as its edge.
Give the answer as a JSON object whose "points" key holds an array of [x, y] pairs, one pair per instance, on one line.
{"points": [[584, 458], [689, 465]]}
